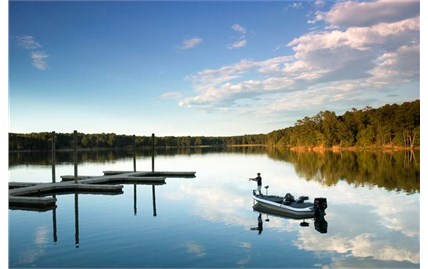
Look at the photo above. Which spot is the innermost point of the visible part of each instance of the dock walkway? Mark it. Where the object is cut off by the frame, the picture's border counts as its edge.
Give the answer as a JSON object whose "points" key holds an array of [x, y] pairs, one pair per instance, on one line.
{"points": [[29, 194]]}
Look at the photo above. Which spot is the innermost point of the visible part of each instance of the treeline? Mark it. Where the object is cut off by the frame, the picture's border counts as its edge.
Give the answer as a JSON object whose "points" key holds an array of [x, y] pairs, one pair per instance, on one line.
{"points": [[43, 141], [387, 126]]}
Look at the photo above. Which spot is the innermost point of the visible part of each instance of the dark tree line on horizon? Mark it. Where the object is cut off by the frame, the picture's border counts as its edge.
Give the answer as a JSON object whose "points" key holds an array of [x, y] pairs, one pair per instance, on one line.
{"points": [[390, 125], [43, 141]]}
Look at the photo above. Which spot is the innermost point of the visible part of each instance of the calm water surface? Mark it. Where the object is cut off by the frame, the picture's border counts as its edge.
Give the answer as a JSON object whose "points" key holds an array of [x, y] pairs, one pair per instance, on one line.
{"points": [[209, 221]]}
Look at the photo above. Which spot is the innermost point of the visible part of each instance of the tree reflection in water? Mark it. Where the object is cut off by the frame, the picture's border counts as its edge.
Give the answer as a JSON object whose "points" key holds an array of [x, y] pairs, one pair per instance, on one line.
{"points": [[392, 170]]}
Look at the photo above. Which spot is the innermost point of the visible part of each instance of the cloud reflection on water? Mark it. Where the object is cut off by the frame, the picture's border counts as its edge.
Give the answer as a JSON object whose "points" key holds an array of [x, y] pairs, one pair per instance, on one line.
{"points": [[364, 222], [195, 248], [31, 254]]}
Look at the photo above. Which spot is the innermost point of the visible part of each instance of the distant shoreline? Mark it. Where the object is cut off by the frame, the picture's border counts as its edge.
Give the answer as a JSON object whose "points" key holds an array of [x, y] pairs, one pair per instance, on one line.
{"points": [[354, 148], [296, 149]]}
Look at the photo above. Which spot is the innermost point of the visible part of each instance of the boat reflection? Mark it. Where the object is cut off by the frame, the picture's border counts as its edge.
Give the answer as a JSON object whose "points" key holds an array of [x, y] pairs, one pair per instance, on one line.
{"points": [[320, 223]]}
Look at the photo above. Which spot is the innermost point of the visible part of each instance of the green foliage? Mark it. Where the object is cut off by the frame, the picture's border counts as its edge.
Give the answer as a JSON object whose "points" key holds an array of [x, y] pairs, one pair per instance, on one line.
{"points": [[42, 141], [387, 126]]}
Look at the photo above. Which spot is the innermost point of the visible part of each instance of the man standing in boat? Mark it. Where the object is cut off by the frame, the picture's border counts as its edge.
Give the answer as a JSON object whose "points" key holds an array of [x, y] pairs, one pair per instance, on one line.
{"points": [[259, 182]]}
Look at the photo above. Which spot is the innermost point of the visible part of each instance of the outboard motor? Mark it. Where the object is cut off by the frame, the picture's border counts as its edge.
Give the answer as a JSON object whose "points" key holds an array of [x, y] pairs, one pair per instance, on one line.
{"points": [[320, 204]]}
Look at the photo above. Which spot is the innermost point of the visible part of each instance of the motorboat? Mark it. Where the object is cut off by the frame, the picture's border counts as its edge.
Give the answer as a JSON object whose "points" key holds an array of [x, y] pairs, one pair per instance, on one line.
{"points": [[288, 205]]}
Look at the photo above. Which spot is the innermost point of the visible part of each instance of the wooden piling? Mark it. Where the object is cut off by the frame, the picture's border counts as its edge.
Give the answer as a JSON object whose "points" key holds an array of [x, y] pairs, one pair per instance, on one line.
{"points": [[135, 161], [153, 152], [53, 158], [75, 156]]}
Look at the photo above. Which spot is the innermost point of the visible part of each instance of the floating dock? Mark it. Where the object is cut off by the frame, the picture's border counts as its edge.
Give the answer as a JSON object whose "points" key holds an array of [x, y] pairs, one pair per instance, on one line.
{"points": [[31, 195], [28, 203], [153, 174]]}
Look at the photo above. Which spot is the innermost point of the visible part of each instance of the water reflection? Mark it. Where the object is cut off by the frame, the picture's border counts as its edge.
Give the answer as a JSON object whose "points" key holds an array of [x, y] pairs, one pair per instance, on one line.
{"points": [[54, 226], [392, 170], [259, 227], [76, 212], [109, 156], [319, 222], [368, 224]]}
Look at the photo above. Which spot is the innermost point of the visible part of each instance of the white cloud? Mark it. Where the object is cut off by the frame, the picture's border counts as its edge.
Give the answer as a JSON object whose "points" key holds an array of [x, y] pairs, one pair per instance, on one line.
{"points": [[359, 38], [27, 42], [241, 42], [238, 44], [401, 65], [336, 65], [172, 95], [190, 43], [215, 86], [239, 29], [371, 13], [319, 3], [39, 59], [295, 5]]}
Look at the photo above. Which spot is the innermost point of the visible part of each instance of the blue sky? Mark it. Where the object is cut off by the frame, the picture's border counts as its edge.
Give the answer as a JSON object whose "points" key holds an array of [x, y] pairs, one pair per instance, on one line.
{"points": [[205, 68]]}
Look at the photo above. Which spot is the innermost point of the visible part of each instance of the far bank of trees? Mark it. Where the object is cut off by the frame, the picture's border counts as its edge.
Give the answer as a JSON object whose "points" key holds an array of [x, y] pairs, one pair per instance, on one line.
{"points": [[388, 126], [43, 141]]}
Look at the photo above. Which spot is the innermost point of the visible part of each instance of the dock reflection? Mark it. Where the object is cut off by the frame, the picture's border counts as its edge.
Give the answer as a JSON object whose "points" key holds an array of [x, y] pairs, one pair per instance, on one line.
{"points": [[320, 224], [76, 213], [153, 196]]}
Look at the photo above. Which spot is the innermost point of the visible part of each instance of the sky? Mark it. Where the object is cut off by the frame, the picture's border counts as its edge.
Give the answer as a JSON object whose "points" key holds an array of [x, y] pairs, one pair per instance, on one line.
{"points": [[205, 68]]}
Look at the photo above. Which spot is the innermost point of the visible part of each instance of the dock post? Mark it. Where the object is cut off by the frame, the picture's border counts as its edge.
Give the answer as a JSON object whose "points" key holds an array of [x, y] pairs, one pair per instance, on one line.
{"points": [[75, 156], [53, 157], [153, 152], [135, 162]]}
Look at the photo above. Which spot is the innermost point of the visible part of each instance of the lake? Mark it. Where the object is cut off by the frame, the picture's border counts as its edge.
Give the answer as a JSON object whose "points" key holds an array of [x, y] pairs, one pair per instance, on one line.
{"points": [[208, 221]]}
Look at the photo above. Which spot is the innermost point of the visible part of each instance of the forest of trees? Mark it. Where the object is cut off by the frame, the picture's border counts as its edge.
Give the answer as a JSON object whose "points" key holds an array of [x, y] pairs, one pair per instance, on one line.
{"points": [[43, 141], [387, 126]]}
